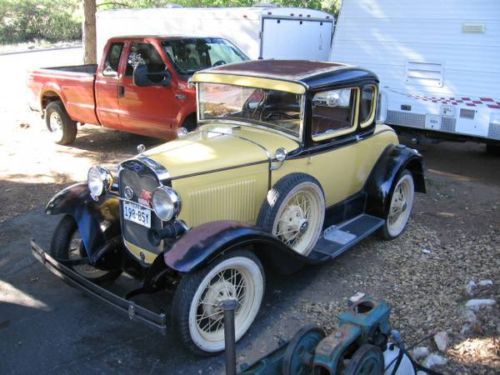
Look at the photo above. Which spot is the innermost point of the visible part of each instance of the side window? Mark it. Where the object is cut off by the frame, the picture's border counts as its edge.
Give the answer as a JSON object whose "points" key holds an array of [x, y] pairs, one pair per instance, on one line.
{"points": [[367, 105], [144, 53], [333, 113], [113, 58]]}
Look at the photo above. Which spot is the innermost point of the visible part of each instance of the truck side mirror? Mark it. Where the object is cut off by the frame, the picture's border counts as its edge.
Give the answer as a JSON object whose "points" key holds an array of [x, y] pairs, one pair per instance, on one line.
{"points": [[142, 77]]}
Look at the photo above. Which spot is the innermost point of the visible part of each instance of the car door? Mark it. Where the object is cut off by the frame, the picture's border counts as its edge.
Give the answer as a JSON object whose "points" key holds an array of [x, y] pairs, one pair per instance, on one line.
{"points": [[107, 83], [344, 149], [149, 110]]}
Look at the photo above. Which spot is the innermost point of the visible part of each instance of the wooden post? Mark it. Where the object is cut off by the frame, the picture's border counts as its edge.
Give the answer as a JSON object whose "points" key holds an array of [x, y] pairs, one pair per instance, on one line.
{"points": [[89, 32]]}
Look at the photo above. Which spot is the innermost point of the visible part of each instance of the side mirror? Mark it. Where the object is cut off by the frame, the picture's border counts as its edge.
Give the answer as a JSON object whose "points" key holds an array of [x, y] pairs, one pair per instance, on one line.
{"points": [[109, 72], [142, 77]]}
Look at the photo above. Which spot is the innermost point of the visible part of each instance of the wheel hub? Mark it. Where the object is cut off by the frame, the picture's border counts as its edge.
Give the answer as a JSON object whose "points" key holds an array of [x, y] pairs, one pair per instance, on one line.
{"points": [[294, 223], [218, 292]]}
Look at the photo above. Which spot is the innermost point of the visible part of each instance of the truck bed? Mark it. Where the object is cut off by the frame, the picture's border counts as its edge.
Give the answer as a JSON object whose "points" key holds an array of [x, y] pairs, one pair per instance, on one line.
{"points": [[73, 85], [89, 68]]}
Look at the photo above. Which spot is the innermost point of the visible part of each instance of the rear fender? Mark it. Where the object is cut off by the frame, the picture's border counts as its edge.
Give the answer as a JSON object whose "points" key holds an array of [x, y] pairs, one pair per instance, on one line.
{"points": [[203, 244], [393, 160], [76, 201]]}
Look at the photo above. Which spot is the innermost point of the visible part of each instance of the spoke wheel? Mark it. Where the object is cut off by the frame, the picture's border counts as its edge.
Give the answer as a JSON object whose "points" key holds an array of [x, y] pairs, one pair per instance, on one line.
{"points": [[67, 244], [400, 207], [197, 311], [294, 212]]}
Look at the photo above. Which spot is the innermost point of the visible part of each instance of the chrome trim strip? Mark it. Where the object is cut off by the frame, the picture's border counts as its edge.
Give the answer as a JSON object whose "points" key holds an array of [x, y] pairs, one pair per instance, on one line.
{"points": [[220, 169]]}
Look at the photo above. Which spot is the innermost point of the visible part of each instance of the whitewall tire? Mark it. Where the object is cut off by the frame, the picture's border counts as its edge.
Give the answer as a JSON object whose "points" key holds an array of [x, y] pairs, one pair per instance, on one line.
{"points": [[197, 315]]}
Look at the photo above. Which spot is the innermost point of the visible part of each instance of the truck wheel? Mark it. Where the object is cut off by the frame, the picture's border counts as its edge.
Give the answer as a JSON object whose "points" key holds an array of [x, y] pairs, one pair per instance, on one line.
{"points": [[197, 316], [61, 127], [294, 212], [402, 197], [190, 123], [67, 244]]}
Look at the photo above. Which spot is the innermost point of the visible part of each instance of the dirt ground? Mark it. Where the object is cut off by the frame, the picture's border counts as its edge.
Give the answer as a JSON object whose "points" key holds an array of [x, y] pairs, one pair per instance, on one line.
{"points": [[453, 238]]}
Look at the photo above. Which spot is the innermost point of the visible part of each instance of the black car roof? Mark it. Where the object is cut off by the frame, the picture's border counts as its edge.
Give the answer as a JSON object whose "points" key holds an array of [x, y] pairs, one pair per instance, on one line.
{"points": [[313, 74]]}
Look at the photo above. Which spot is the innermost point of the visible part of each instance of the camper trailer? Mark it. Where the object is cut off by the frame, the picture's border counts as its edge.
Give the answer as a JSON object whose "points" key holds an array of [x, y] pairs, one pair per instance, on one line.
{"points": [[260, 32], [438, 63]]}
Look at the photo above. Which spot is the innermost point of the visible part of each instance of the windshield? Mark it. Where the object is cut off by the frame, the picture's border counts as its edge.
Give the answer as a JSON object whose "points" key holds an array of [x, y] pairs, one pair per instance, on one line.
{"points": [[275, 109], [193, 54]]}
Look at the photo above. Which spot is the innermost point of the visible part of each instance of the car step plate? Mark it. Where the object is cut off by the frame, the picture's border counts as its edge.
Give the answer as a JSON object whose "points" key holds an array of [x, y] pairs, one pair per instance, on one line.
{"points": [[339, 238]]}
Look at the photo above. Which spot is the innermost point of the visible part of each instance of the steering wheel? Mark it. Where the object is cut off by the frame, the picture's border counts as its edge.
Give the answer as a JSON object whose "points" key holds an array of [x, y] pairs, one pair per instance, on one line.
{"points": [[219, 62]]}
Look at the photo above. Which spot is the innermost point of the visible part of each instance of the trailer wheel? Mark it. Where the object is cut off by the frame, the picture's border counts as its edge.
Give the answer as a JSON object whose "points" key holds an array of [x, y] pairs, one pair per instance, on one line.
{"points": [[67, 244], [401, 205], [294, 212], [198, 318], [61, 127]]}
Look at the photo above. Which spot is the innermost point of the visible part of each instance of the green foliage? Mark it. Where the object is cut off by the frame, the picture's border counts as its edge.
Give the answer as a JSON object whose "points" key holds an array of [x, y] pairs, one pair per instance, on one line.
{"points": [[27, 20]]}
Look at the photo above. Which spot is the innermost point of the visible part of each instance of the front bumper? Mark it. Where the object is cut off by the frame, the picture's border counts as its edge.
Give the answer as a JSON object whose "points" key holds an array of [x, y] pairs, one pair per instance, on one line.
{"points": [[130, 308]]}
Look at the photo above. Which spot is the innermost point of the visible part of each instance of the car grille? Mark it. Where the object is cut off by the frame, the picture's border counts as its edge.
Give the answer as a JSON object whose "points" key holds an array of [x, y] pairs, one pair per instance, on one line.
{"points": [[139, 178]]}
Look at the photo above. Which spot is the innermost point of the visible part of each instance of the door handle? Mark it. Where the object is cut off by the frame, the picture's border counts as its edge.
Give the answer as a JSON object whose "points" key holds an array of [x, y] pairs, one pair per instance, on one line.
{"points": [[121, 91]]}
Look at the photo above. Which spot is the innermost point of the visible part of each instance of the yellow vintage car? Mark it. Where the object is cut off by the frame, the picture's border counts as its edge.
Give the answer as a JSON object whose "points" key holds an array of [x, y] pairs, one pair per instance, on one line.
{"points": [[288, 167]]}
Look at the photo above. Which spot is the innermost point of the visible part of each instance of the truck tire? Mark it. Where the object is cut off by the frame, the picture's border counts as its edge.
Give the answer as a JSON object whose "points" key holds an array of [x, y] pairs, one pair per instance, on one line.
{"points": [[294, 212], [67, 244], [59, 124], [190, 123], [198, 318], [400, 207]]}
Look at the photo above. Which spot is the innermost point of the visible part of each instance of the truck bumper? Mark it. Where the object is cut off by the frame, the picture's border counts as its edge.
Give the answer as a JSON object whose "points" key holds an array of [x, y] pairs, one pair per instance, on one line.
{"points": [[120, 304]]}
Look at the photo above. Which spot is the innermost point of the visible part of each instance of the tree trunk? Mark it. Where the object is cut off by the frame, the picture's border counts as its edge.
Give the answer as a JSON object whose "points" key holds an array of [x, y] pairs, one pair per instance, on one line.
{"points": [[89, 32]]}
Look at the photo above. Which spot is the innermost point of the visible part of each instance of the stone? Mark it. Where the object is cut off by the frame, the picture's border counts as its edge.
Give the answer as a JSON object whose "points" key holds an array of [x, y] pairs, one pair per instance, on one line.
{"points": [[441, 340], [485, 283], [470, 288], [419, 352], [476, 304], [434, 359], [469, 316]]}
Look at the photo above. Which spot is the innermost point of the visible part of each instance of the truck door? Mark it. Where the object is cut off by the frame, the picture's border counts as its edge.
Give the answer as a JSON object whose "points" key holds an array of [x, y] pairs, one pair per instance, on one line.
{"points": [[107, 83], [147, 110]]}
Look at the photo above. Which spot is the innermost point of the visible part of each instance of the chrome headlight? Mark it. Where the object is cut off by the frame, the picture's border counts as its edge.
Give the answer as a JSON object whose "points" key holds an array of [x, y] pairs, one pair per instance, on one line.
{"points": [[166, 203], [99, 181]]}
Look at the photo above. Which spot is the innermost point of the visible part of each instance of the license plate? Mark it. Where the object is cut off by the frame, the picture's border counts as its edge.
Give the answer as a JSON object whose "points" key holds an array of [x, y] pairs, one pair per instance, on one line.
{"points": [[137, 214]]}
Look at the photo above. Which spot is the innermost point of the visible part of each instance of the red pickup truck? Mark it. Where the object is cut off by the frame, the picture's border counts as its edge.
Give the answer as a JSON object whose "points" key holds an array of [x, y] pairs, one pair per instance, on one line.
{"points": [[140, 86]]}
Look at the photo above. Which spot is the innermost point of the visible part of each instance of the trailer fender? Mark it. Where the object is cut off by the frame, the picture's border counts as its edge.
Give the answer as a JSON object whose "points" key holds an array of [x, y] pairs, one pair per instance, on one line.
{"points": [[76, 201], [201, 245], [393, 160]]}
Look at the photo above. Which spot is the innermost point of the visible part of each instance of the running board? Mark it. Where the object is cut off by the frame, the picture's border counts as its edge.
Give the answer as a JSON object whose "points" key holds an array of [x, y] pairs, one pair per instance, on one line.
{"points": [[339, 238]]}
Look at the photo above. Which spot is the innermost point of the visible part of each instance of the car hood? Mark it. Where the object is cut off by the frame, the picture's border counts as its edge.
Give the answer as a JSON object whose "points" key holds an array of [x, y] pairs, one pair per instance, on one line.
{"points": [[218, 147]]}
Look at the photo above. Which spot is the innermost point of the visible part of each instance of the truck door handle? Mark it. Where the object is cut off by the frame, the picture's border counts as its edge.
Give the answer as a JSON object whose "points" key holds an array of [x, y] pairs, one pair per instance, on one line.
{"points": [[121, 91]]}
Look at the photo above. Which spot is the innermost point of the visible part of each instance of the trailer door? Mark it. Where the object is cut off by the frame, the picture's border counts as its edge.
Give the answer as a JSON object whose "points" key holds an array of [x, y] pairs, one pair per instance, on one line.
{"points": [[305, 39]]}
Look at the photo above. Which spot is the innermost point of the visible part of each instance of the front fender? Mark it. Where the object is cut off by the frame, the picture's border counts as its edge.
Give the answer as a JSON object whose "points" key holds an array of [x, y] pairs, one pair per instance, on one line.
{"points": [[203, 244], [393, 160], [76, 201]]}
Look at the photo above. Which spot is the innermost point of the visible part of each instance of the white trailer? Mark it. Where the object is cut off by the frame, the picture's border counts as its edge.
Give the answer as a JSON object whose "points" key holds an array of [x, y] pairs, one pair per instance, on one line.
{"points": [[438, 62], [261, 31]]}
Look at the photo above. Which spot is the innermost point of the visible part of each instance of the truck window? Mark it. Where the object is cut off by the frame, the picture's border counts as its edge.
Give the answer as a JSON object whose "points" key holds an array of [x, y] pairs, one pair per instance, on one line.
{"points": [[113, 58], [191, 55], [145, 53], [367, 105], [333, 113]]}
